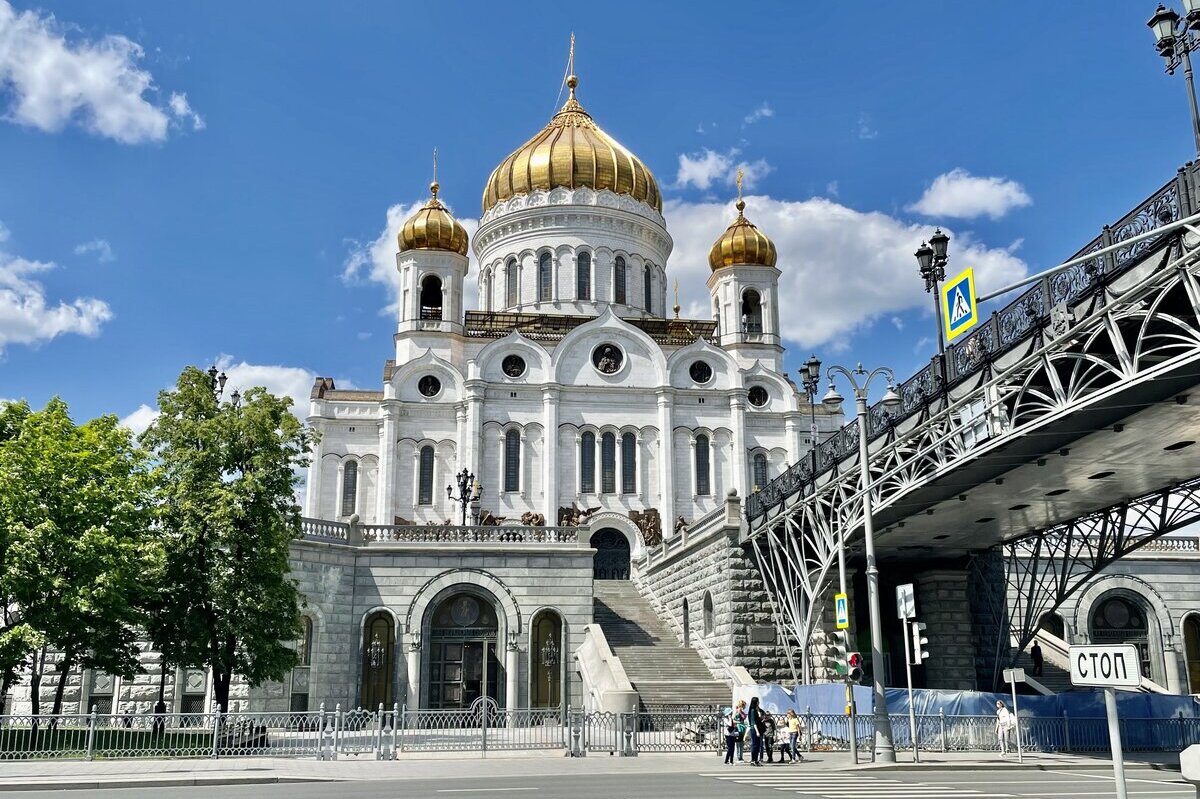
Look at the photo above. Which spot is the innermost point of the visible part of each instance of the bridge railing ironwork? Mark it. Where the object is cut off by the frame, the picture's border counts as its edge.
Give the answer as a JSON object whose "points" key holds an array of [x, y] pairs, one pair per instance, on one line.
{"points": [[926, 392]]}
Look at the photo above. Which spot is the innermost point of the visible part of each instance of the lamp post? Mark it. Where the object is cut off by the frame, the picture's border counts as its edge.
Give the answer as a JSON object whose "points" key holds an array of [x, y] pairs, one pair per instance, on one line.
{"points": [[469, 490], [217, 382], [884, 750], [810, 379], [932, 260], [1175, 39]]}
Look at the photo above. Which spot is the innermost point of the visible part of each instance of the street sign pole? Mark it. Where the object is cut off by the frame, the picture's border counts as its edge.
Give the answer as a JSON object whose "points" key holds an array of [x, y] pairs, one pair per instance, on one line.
{"points": [[912, 714], [1114, 737], [1017, 724]]}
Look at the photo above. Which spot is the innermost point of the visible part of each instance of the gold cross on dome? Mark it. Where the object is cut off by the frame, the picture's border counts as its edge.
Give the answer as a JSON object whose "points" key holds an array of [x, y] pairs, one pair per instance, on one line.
{"points": [[571, 56], [435, 165], [741, 173]]}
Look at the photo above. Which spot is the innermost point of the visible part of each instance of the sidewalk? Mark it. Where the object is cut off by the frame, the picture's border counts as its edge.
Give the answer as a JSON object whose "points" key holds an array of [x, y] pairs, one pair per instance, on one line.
{"points": [[66, 774]]}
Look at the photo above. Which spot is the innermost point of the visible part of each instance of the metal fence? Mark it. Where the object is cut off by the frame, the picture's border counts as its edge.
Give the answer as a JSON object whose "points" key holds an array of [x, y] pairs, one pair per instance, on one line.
{"points": [[384, 733]]}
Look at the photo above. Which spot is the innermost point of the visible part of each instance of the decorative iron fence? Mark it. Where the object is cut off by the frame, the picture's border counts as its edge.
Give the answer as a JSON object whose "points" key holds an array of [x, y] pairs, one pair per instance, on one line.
{"points": [[385, 733]]}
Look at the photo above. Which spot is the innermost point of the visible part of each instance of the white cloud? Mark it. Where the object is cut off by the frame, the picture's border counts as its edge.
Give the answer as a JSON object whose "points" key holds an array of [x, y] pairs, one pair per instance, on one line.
{"points": [[27, 317], [4, 234], [102, 249], [140, 419], [897, 322], [182, 110], [701, 170], [961, 195], [764, 111], [375, 261], [842, 269], [831, 188], [97, 84], [865, 131]]}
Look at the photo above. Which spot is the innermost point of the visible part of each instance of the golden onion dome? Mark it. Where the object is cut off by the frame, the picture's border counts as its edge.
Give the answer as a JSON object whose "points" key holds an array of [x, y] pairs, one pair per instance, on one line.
{"points": [[742, 243], [433, 228], [572, 151]]}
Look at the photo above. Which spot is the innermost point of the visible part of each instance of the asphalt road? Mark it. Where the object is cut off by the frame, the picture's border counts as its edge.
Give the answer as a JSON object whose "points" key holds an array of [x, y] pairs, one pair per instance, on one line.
{"points": [[738, 781]]}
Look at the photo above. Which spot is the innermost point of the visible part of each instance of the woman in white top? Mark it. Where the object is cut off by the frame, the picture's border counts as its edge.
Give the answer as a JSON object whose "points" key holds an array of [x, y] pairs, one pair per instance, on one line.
{"points": [[1004, 723]]}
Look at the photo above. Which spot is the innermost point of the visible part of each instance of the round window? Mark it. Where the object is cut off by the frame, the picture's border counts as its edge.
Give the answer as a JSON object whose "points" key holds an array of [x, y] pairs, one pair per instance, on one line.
{"points": [[758, 396], [429, 386], [700, 371], [608, 358], [513, 365]]}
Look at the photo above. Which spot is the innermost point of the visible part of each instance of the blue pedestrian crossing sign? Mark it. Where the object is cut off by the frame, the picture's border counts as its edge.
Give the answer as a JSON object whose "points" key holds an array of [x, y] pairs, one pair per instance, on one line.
{"points": [[959, 309], [841, 610]]}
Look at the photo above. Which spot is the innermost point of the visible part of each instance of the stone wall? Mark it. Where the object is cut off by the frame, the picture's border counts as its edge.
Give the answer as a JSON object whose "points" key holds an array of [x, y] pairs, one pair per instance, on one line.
{"points": [[943, 604]]}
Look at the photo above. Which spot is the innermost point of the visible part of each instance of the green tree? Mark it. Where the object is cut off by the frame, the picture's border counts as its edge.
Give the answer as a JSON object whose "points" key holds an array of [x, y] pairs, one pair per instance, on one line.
{"points": [[226, 480], [76, 545]]}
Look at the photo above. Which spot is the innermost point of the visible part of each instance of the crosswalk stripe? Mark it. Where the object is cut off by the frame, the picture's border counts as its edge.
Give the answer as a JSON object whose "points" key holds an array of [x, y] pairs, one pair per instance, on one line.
{"points": [[835, 785]]}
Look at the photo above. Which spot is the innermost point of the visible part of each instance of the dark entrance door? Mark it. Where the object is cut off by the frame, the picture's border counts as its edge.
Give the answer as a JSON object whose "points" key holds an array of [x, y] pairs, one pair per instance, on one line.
{"points": [[463, 663], [611, 561]]}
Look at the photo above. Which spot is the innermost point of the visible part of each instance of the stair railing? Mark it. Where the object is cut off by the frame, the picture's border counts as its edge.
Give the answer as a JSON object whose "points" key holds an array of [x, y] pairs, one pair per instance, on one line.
{"points": [[737, 675], [1057, 653]]}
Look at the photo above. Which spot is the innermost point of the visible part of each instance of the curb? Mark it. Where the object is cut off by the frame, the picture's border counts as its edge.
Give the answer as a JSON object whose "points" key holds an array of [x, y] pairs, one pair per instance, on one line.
{"points": [[168, 782], [987, 765]]}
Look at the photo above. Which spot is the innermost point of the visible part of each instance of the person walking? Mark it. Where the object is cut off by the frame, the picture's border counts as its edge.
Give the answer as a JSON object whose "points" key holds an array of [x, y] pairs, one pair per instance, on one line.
{"points": [[793, 733], [732, 735], [1004, 723], [1035, 654], [739, 716], [754, 722]]}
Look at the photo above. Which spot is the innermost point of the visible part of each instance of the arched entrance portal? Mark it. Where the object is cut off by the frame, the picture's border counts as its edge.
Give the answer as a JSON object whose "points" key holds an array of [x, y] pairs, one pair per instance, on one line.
{"points": [[378, 666], [462, 658], [611, 561], [1121, 619], [546, 656]]}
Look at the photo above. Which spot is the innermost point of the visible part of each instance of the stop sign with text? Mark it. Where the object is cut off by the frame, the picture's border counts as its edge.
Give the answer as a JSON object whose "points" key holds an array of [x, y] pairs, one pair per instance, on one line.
{"points": [[1106, 666]]}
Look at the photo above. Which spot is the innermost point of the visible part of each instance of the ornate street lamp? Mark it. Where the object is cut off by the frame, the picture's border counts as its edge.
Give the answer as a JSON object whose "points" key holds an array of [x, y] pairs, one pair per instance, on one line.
{"points": [[375, 653], [931, 261], [1175, 39], [884, 749], [469, 490], [810, 380], [217, 383], [549, 652]]}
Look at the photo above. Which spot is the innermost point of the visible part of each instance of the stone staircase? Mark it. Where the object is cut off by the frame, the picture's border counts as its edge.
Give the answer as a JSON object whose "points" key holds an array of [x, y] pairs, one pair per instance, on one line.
{"points": [[1056, 679], [662, 671]]}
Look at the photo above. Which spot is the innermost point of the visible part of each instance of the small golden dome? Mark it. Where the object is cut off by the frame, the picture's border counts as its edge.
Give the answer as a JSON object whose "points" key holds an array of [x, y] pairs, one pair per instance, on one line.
{"points": [[742, 243], [571, 151], [433, 228]]}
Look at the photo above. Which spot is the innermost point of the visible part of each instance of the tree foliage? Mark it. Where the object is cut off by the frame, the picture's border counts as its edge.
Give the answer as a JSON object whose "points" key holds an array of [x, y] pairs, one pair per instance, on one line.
{"points": [[226, 480], [75, 542]]}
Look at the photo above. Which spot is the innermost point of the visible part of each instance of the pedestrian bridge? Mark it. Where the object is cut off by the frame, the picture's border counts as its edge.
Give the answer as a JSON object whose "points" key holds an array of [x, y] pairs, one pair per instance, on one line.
{"points": [[1063, 427]]}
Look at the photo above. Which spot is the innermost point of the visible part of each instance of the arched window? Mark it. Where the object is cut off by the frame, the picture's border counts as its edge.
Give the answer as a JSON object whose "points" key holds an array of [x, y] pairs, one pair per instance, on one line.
{"points": [[431, 297], [608, 464], [619, 280], [512, 461], [710, 617], [647, 290], [425, 487], [548, 659], [1121, 619], [1191, 650], [378, 665], [349, 487], [487, 291], [629, 464], [511, 290], [760, 471], [587, 463], [702, 483], [751, 312], [545, 278], [304, 644], [583, 276]]}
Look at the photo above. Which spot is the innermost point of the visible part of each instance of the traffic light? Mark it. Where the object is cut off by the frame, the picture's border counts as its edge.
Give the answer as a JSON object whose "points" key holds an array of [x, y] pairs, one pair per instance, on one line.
{"points": [[854, 663], [919, 641], [836, 651]]}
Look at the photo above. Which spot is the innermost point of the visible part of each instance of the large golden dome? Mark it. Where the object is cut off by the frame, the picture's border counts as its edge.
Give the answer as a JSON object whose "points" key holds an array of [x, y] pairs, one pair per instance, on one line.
{"points": [[571, 151], [742, 243], [433, 228]]}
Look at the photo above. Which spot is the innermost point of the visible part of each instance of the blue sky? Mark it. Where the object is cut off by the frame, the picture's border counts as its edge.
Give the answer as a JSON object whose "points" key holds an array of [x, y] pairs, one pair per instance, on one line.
{"points": [[186, 183]]}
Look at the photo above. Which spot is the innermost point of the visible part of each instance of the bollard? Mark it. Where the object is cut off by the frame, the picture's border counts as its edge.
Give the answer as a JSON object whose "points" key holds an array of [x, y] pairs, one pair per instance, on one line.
{"points": [[403, 725], [379, 734], [395, 728], [576, 721], [91, 739], [629, 745], [808, 726], [942, 727], [216, 729], [321, 732]]}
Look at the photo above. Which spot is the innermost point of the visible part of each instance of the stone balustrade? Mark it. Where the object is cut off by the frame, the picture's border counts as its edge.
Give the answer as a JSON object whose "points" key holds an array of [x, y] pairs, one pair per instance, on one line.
{"points": [[499, 535]]}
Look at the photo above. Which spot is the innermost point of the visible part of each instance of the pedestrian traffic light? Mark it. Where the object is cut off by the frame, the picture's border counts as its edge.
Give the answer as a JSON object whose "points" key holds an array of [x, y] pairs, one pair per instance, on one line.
{"points": [[919, 641], [836, 651], [854, 663]]}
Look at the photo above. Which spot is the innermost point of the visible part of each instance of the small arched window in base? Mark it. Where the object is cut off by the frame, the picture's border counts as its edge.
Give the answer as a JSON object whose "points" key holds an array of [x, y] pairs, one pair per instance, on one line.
{"points": [[710, 622], [546, 656], [378, 661]]}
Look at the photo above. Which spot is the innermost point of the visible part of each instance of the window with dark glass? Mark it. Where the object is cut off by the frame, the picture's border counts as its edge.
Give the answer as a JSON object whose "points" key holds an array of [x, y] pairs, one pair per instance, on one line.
{"points": [[702, 484], [700, 371], [583, 276], [760, 470], [587, 463], [608, 464], [425, 490], [647, 288], [512, 461], [304, 645], [487, 291], [758, 396], [511, 293], [710, 617], [431, 297], [619, 280], [513, 365], [629, 464], [545, 278], [349, 487], [429, 386]]}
